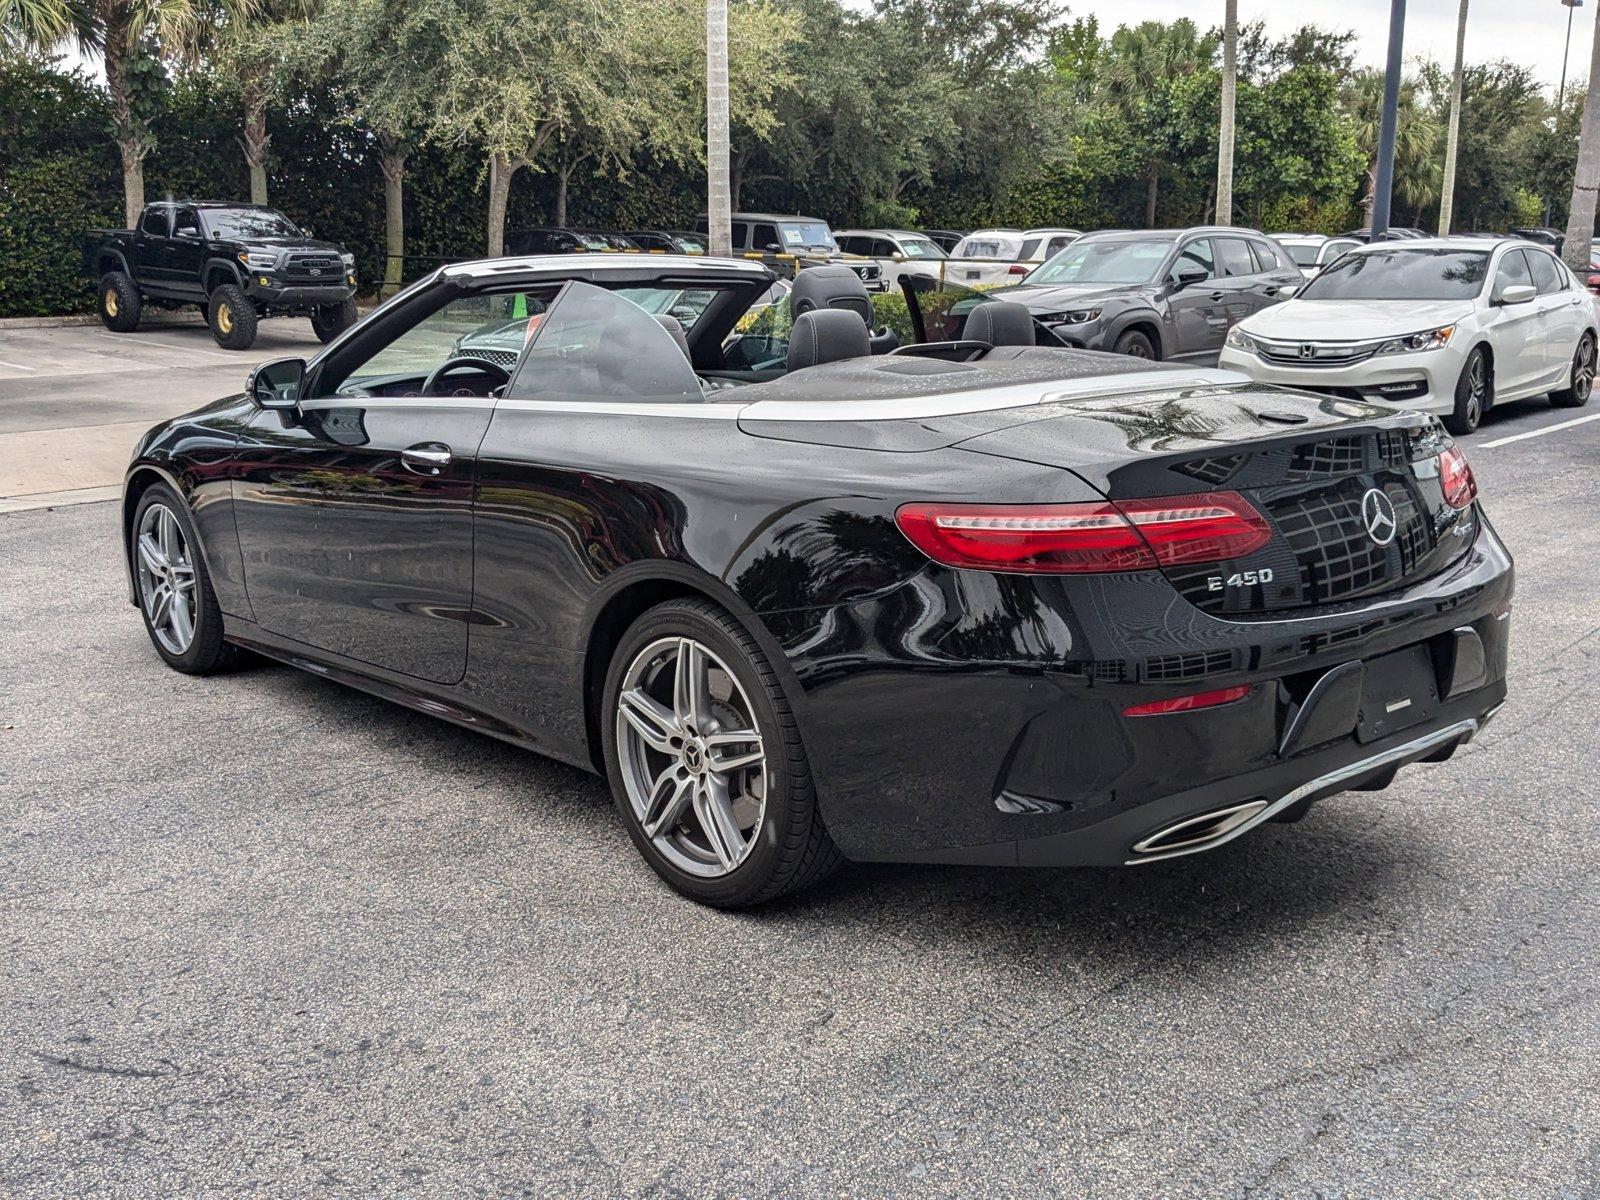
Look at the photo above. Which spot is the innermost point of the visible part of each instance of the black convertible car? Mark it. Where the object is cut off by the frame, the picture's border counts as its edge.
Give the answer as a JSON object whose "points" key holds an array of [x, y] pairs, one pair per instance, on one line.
{"points": [[968, 599]]}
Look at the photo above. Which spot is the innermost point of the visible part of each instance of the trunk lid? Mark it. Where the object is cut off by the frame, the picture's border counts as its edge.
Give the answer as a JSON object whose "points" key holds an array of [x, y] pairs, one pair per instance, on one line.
{"points": [[1351, 491]]}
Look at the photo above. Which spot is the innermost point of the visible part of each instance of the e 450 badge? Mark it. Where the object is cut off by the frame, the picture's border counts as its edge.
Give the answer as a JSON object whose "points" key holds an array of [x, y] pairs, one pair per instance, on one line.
{"points": [[1215, 583]]}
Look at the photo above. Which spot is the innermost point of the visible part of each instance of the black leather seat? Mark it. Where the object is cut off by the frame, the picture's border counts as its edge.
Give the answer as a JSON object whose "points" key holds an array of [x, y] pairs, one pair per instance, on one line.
{"points": [[1000, 323], [834, 286], [827, 335]]}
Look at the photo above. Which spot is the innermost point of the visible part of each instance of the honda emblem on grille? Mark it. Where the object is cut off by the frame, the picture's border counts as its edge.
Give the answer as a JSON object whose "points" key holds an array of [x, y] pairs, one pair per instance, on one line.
{"points": [[1377, 513], [1308, 350]]}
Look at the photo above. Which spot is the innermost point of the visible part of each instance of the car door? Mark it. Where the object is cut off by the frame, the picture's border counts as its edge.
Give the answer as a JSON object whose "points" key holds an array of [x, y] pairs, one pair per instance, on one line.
{"points": [[354, 514], [1238, 278], [1561, 318], [186, 251], [1515, 330], [150, 267], [1198, 313], [1275, 270]]}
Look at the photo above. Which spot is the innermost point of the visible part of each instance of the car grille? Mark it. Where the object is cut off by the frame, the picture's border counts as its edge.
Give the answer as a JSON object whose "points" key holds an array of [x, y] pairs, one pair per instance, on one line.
{"points": [[501, 358], [314, 267], [867, 270], [1321, 552], [1321, 354]]}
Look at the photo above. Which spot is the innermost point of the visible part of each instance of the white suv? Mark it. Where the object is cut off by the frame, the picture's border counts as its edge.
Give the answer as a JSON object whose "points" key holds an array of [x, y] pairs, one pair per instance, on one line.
{"points": [[1004, 255], [1444, 325], [897, 251]]}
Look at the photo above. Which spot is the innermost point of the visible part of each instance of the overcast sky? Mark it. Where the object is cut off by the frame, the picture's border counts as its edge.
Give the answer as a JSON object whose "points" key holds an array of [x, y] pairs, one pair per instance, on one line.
{"points": [[1525, 31]]}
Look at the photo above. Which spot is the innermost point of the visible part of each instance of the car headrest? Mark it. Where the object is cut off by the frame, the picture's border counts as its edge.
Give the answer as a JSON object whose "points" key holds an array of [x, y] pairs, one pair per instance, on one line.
{"points": [[1000, 323], [833, 286], [827, 335], [673, 326]]}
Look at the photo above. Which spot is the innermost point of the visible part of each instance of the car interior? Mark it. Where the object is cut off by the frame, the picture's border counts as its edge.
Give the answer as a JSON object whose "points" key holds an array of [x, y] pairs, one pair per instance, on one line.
{"points": [[665, 340]]}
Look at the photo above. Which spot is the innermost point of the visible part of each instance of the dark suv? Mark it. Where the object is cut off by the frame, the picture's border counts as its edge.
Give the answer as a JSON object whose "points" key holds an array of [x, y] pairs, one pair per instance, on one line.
{"points": [[783, 241], [1156, 293], [238, 262]]}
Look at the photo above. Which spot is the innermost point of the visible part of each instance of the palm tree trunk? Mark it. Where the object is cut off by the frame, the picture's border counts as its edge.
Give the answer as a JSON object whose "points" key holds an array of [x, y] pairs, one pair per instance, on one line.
{"points": [[130, 133], [741, 160], [1151, 180], [1585, 185], [719, 195], [392, 159], [1447, 187], [1230, 75], [254, 139]]}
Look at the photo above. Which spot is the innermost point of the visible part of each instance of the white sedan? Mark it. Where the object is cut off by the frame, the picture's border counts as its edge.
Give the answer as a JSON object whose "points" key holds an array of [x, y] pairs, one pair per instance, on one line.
{"points": [[1444, 325]]}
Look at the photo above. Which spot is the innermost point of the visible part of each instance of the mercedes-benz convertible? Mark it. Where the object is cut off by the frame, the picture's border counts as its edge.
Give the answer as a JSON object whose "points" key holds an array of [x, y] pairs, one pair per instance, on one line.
{"points": [[803, 588]]}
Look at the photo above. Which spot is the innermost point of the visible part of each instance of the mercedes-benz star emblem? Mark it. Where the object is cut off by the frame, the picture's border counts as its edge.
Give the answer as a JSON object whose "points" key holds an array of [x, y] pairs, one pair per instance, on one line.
{"points": [[1377, 513]]}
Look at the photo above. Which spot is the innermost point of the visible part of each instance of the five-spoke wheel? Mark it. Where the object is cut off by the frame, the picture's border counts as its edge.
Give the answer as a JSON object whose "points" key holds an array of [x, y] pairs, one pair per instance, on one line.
{"points": [[166, 578]]}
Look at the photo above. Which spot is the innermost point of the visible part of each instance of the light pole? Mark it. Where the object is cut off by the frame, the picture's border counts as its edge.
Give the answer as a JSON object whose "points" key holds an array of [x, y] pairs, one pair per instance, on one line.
{"points": [[719, 203], [1383, 185], [1561, 92]]}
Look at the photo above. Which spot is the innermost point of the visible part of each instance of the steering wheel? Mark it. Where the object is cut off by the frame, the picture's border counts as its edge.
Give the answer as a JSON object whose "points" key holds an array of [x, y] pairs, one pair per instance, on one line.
{"points": [[461, 363]]}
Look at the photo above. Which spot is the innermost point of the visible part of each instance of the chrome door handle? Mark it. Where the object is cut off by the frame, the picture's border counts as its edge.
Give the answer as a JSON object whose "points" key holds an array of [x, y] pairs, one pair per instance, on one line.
{"points": [[426, 458]]}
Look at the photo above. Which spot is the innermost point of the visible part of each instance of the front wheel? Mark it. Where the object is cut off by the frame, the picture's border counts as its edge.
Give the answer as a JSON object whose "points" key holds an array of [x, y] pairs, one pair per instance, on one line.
{"points": [[1580, 383], [705, 760], [180, 609], [1135, 344], [232, 316], [330, 320], [1474, 394]]}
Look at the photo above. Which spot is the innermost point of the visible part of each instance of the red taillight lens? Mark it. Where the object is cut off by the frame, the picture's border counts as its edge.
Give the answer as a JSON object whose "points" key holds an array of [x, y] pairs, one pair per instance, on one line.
{"points": [[1188, 703], [1016, 269], [1455, 477], [1128, 535]]}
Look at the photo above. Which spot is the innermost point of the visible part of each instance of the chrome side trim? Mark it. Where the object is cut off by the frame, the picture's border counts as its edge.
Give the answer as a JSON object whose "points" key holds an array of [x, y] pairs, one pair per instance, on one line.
{"points": [[1416, 746]]}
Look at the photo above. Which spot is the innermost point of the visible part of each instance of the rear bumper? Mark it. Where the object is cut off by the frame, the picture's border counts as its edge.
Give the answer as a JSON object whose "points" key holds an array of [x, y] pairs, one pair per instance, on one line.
{"points": [[939, 736]]}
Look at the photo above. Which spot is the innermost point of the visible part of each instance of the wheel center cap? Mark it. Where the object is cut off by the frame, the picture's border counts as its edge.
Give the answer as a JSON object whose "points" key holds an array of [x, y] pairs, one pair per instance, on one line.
{"points": [[694, 756]]}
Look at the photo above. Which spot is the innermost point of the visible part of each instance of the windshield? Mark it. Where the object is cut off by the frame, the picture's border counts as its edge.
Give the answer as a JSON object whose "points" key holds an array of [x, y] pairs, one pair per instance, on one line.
{"points": [[807, 235], [988, 246], [1397, 274], [248, 223], [919, 248], [1137, 261], [1303, 253]]}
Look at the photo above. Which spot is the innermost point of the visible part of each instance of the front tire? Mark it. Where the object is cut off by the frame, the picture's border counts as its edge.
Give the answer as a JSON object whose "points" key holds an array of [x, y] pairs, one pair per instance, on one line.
{"points": [[1580, 383], [1136, 345], [1474, 394], [706, 763], [330, 320], [180, 609], [232, 316], [120, 302]]}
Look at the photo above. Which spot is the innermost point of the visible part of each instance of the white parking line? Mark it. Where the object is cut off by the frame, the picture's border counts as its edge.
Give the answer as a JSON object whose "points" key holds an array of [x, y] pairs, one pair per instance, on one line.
{"points": [[1522, 437], [17, 366], [170, 346]]}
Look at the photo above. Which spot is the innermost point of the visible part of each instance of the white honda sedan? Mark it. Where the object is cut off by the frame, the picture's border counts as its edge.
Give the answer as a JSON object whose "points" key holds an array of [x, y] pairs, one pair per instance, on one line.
{"points": [[1444, 325]]}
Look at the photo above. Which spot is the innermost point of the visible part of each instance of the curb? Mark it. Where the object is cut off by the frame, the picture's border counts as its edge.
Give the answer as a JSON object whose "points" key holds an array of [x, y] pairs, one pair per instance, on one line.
{"points": [[74, 319]]}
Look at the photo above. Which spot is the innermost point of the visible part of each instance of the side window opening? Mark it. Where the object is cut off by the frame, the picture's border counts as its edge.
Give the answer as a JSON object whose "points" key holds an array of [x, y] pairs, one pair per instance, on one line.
{"points": [[1545, 276], [1513, 272], [1196, 254], [155, 222]]}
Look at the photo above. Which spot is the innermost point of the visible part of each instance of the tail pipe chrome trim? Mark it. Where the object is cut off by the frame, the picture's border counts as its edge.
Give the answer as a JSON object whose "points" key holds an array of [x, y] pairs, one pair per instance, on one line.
{"points": [[1220, 826]]}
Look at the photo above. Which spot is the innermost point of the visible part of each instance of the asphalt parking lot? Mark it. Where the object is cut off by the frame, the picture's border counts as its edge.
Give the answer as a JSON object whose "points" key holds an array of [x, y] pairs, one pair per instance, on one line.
{"points": [[266, 935]]}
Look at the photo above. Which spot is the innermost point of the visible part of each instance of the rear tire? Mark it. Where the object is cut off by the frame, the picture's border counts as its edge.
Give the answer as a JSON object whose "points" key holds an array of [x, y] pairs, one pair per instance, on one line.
{"points": [[1580, 382], [120, 302], [1474, 394], [172, 572], [778, 841], [330, 320], [232, 316], [1136, 345]]}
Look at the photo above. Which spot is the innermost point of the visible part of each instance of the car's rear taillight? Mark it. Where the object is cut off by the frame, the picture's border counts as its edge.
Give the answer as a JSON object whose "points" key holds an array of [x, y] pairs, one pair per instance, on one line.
{"points": [[1455, 477], [1016, 269], [1049, 539]]}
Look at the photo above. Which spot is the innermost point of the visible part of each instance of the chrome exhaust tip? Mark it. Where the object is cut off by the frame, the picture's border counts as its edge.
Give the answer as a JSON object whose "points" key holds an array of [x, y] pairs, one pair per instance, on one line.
{"points": [[1194, 833]]}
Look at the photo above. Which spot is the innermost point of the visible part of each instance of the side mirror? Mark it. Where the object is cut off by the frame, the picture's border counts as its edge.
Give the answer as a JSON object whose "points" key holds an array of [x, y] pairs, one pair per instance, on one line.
{"points": [[276, 385], [1288, 292], [186, 232], [1517, 293], [1189, 276], [898, 256], [773, 248]]}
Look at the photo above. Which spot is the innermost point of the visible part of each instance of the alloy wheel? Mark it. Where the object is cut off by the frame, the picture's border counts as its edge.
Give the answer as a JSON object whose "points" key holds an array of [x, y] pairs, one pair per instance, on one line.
{"points": [[1477, 383], [1583, 370], [224, 318], [692, 759], [166, 578], [111, 302]]}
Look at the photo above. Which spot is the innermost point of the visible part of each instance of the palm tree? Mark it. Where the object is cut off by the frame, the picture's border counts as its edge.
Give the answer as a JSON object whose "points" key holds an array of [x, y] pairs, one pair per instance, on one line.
{"points": [[1448, 187], [35, 23], [1143, 61], [719, 200], [248, 41], [1230, 76], [1416, 135], [1580, 217]]}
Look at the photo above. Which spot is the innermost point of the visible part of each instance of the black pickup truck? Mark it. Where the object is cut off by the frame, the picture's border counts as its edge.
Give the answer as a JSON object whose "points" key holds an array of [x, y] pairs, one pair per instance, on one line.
{"points": [[238, 262]]}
